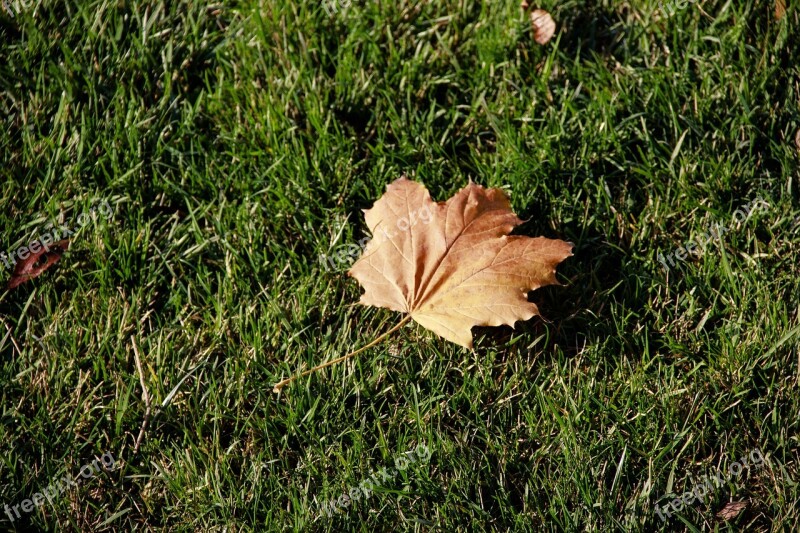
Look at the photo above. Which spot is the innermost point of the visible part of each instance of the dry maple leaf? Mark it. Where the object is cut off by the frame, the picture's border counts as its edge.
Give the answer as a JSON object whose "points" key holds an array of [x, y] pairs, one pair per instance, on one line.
{"points": [[459, 269], [449, 265], [36, 263]]}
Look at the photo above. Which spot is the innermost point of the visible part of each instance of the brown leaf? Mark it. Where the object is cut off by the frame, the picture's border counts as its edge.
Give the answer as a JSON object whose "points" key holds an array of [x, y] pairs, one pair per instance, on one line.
{"points": [[456, 266], [731, 510], [780, 9], [544, 27], [36, 263]]}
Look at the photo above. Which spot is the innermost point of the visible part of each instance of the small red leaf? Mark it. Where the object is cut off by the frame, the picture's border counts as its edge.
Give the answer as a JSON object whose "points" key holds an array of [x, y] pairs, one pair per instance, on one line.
{"points": [[36, 263]]}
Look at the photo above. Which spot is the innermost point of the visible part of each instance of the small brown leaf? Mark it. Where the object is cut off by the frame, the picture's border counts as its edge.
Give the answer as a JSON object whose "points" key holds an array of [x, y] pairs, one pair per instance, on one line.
{"points": [[780, 9], [797, 139], [36, 263], [731, 510], [544, 27]]}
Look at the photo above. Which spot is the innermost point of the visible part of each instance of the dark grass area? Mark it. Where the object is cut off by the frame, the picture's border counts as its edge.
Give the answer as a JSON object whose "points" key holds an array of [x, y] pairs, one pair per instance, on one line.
{"points": [[238, 142]]}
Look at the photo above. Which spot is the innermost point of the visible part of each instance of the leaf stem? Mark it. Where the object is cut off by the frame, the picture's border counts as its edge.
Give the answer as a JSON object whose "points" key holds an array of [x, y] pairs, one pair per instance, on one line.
{"points": [[279, 386]]}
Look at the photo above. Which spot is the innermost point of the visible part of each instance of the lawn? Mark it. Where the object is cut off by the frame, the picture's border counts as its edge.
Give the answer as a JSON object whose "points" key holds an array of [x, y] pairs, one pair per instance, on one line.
{"points": [[208, 160]]}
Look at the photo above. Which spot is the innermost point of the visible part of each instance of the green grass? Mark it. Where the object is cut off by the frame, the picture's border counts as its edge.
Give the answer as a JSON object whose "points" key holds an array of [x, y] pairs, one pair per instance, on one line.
{"points": [[239, 141]]}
